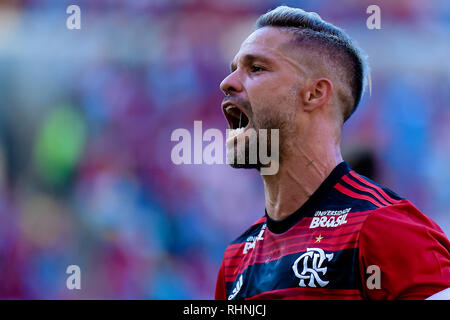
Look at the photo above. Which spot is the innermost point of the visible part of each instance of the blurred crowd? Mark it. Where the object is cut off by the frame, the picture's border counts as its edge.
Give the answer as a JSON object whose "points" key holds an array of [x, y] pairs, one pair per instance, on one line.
{"points": [[86, 118]]}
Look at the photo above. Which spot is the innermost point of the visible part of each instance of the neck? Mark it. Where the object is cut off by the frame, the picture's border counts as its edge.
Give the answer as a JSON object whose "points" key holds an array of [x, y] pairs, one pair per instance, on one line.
{"points": [[299, 175]]}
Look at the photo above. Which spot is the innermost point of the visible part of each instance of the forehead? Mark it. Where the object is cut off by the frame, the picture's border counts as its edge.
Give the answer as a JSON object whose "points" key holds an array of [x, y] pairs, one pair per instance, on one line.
{"points": [[268, 43]]}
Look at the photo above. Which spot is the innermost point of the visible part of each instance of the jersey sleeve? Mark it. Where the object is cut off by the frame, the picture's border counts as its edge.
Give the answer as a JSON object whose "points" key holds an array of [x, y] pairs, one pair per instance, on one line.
{"points": [[220, 285], [410, 250]]}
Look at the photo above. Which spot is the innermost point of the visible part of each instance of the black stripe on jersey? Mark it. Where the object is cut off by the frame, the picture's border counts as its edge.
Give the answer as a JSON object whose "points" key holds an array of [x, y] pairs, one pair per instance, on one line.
{"points": [[367, 183], [337, 200], [368, 191], [364, 193], [342, 273]]}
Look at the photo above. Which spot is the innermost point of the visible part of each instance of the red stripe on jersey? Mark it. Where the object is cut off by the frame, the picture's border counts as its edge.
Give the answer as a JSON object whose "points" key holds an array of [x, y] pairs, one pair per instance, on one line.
{"points": [[235, 252], [235, 247], [231, 253], [355, 195], [306, 239], [368, 183], [260, 220], [232, 248], [271, 241], [237, 266], [371, 191], [232, 271], [303, 238], [309, 294], [291, 248]]}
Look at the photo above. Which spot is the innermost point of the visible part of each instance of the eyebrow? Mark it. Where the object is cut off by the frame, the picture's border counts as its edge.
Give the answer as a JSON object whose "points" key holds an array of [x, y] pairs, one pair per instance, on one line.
{"points": [[248, 59]]}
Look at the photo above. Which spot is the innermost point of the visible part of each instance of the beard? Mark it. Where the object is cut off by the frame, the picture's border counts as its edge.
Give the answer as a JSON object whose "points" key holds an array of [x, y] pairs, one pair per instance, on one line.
{"points": [[259, 140]]}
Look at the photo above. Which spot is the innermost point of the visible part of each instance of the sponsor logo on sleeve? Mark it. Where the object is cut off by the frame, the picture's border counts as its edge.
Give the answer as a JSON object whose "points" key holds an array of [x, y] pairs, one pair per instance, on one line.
{"points": [[237, 288], [251, 241]]}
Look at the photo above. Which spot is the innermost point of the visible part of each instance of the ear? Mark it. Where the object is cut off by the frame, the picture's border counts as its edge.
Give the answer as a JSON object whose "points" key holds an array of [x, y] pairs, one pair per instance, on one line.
{"points": [[317, 94]]}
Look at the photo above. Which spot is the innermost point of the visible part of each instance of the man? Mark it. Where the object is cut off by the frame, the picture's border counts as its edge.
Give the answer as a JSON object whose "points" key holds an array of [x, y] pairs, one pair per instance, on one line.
{"points": [[328, 232]]}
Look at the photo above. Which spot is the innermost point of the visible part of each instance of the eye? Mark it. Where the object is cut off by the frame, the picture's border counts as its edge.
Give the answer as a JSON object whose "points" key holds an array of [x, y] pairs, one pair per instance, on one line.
{"points": [[256, 68]]}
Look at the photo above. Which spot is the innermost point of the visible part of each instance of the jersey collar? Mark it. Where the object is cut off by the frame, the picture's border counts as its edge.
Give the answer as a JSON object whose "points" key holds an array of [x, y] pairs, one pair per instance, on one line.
{"points": [[280, 226]]}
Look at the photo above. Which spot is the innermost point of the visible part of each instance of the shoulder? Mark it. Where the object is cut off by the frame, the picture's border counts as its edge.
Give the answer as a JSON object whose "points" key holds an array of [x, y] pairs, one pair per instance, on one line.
{"points": [[401, 220], [363, 194], [252, 231], [401, 230], [409, 248], [246, 241], [394, 231]]}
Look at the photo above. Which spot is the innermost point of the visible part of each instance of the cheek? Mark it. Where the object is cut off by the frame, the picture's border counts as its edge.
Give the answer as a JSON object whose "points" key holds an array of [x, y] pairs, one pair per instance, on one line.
{"points": [[266, 90], [277, 98], [278, 115], [271, 88], [264, 98], [272, 100]]}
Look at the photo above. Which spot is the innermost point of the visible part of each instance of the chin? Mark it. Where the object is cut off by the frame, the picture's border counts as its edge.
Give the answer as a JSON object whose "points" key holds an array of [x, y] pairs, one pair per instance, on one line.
{"points": [[232, 158]]}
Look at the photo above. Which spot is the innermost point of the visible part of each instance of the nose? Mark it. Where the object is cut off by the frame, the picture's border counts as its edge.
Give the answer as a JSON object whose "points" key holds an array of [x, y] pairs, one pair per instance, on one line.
{"points": [[231, 84]]}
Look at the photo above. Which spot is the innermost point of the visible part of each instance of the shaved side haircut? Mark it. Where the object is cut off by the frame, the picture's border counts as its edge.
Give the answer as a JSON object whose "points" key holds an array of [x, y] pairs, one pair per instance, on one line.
{"points": [[330, 44]]}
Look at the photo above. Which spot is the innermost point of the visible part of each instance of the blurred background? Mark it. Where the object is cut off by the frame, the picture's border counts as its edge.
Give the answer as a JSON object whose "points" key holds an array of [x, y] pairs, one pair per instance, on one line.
{"points": [[86, 117]]}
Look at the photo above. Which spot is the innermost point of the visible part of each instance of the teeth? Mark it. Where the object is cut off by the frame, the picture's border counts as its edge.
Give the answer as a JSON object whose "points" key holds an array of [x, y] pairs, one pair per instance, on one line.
{"points": [[231, 106], [237, 114]]}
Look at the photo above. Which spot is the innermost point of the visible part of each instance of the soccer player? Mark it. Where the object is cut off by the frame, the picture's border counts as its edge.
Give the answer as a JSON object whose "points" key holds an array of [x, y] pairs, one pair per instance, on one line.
{"points": [[328, 232]]}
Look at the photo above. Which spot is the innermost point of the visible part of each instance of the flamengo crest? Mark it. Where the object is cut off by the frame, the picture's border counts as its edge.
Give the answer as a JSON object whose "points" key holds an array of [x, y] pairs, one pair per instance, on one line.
{"points": [[310, 264]]}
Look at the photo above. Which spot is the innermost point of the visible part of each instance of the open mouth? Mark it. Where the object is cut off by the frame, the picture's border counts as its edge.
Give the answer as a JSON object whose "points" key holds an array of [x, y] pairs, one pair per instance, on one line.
{"points": [[237, 120]]}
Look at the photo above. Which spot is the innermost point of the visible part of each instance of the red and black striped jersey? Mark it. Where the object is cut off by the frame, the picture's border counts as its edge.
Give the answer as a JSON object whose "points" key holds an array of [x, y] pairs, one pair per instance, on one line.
{"points": [[352, 239]]}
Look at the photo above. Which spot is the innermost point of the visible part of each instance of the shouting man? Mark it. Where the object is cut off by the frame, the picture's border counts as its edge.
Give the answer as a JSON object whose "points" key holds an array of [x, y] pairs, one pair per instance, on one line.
{"points": [[328, 232]]}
